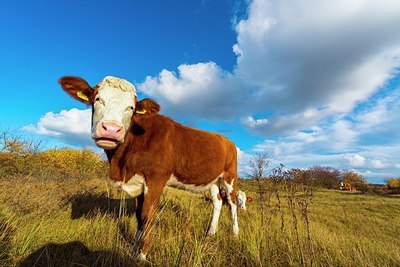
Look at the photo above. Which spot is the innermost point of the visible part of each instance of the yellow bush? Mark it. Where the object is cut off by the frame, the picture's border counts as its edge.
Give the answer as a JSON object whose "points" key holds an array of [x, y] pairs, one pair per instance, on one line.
{"points": [[72, 162], [393, 183], [63, 163]]}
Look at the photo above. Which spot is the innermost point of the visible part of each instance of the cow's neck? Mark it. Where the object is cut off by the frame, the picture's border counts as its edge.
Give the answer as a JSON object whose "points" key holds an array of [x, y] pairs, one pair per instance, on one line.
{"points": [[120, 157]]}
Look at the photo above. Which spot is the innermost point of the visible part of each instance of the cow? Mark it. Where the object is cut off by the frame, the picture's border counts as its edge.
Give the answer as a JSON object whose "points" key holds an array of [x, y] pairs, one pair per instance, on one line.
{"points": [[148, 151], [346, 186]]}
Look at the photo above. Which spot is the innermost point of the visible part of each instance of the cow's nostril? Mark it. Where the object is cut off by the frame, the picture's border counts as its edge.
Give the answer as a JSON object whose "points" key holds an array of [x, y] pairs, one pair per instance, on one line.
{"points": [[104, 126]]}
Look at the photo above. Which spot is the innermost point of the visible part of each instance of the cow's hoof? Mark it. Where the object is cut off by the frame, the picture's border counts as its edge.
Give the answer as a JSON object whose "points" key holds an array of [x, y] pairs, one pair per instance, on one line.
{"points": [[211, 233], [141, 256]]}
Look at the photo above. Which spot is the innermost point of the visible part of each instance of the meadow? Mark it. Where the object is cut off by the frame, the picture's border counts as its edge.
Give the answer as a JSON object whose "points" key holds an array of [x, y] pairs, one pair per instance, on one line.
{"points": [[85, 221]]}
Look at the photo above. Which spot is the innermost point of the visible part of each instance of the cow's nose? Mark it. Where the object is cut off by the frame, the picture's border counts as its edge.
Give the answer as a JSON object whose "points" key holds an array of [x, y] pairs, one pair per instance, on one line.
{"points": [[111, 130]]}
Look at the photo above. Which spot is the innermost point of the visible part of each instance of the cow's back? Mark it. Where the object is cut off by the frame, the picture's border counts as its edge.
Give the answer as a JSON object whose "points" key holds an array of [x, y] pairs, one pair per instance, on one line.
{"points": [[202, 156]]}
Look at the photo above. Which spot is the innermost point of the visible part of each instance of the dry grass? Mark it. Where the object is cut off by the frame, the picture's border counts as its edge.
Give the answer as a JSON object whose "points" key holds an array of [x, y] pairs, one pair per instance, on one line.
{"points": [[88, 223]]}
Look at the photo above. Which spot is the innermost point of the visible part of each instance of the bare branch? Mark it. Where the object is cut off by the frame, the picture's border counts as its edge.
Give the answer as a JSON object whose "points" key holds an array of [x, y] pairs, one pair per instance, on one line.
{"points": [[259, 164]]}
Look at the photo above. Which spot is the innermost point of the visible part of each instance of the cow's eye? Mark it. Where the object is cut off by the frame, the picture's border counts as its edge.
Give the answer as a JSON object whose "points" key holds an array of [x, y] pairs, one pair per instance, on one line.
{"points": [[130, 108], [99, 100]]}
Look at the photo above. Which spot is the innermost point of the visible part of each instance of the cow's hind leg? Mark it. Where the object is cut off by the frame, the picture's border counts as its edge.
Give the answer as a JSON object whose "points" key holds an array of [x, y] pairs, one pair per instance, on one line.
{"points": [[230, 185], [217, 205]]}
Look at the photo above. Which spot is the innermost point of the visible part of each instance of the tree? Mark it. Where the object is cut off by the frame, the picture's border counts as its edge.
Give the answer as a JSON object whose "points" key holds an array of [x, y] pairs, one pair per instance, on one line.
{"points": [[326, 177], [259, 164]]}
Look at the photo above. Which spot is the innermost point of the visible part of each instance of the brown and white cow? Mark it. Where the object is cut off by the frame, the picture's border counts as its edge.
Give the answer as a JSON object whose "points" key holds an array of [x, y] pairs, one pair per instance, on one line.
{"points": [[148, 151], [346, 186]]}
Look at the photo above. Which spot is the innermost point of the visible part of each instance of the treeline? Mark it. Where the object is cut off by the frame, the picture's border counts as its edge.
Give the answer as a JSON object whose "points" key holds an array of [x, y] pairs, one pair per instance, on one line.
{"points": [[317, 176], [330, 178]]}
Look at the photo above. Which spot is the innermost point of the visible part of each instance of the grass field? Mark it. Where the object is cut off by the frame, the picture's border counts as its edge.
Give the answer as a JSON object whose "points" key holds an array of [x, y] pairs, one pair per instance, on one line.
{"points": [[89, 223]]}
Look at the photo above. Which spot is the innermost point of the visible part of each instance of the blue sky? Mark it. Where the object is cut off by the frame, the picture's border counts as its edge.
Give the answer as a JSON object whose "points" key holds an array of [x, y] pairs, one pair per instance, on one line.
{"points": [[313, 82]]}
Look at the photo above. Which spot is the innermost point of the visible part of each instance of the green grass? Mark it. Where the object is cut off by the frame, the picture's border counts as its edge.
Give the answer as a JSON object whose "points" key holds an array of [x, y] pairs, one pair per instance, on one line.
{"points": [[60, 223]]}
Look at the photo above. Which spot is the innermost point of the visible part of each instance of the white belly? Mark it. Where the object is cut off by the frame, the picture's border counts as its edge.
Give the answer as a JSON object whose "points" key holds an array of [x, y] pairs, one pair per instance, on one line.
{"points": [[173, 182], [135, 186]]}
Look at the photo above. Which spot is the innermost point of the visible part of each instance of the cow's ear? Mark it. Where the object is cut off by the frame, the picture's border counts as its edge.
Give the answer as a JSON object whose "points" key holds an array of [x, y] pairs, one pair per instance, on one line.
{"points": [[77, 88], [249, 199], [147, 106]]}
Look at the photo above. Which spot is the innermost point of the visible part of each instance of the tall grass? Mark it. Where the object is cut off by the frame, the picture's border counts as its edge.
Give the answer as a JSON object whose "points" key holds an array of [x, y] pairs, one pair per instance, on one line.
{"points": [[92, 224]]}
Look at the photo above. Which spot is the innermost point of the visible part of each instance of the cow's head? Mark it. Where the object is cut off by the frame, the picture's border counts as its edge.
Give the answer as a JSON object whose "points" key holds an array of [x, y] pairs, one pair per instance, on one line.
{"points": [[242, 199], [113, 101]]}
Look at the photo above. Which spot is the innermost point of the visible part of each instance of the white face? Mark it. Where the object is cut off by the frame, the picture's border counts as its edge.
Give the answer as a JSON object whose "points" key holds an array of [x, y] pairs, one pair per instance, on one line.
{"points": [[113, 108], [241, 200]]}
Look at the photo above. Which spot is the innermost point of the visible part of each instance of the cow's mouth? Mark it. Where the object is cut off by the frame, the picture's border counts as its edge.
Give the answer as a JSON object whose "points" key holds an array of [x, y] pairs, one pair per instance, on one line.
{"points": [[106, 143]]}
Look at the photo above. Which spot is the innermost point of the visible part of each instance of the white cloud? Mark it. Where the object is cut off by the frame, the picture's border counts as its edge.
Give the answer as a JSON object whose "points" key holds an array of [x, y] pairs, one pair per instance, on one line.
{"points": [[202, 89], [303, 55], [243, 162], [283, 125], [250, 122], [355, 160], [377, 164], [70, 126]]}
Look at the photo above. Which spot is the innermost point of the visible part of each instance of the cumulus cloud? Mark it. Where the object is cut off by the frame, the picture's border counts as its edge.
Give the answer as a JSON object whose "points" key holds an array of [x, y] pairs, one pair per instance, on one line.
{"points": [[316, 55], [283, 124], [70, 126], [355, 160], [202, 89], [252, 123]]}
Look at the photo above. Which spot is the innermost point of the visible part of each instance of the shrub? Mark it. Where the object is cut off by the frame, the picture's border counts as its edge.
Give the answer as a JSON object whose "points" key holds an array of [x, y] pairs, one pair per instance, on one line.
{"points": [[393, 184], [21, 156], [326, 177], [69, 163]]}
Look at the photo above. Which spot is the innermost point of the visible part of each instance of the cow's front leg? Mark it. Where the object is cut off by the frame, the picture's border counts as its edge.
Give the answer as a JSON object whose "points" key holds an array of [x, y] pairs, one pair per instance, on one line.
{"points": [[147, 205], [138, 211]]}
